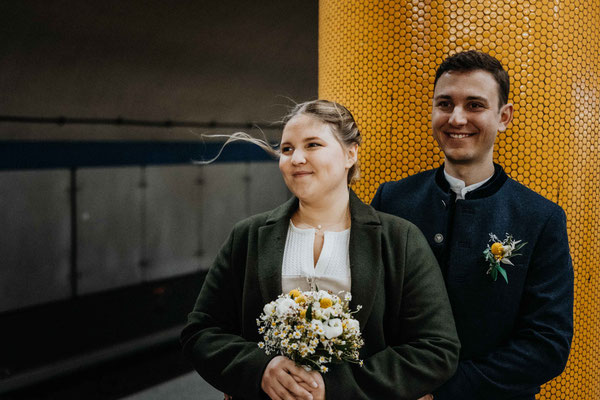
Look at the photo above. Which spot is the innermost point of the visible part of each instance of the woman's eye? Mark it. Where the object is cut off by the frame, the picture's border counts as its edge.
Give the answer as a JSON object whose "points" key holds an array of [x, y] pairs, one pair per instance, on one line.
{"points": [[313, 144], [286, 149]]}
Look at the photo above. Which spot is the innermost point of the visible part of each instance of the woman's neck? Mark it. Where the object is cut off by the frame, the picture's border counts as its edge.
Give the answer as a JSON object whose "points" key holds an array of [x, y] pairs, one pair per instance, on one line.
{"points": [[331, 213]]}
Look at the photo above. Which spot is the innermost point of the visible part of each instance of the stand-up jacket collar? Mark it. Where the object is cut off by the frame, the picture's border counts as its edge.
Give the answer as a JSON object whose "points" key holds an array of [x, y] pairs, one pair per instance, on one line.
{"points": [[490, 187]]}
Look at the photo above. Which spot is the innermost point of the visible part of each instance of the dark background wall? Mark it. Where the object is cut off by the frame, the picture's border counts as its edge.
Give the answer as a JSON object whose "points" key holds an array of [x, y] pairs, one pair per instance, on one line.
{"points": [[108, 228], [224, 61]]}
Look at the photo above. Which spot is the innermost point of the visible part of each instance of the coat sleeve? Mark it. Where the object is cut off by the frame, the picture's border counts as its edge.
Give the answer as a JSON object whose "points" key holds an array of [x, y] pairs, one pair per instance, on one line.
{"points": [[211, 340], [423, 344], [539, 347]]}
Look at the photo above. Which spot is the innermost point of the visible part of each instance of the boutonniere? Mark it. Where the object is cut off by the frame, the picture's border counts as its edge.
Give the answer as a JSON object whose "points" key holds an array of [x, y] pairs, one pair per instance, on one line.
{"points": [[499, 252]]}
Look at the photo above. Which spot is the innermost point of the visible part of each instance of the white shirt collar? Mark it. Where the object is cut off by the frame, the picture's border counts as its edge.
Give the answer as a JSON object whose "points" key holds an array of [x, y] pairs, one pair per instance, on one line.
{"points": [[459, 188]]}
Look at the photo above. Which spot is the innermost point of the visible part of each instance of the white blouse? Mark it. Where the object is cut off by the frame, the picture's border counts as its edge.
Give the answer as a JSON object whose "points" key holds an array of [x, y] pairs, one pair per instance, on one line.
{"points": [[332, 271]]}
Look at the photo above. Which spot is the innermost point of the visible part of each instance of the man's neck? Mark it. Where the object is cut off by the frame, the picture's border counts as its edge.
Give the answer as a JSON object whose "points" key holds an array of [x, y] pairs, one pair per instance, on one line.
{"points": [[470, 174]]}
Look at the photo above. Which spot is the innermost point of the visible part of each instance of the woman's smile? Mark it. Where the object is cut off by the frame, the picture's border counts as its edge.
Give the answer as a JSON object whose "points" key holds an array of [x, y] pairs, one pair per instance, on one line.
{"points": [[301, 174]]}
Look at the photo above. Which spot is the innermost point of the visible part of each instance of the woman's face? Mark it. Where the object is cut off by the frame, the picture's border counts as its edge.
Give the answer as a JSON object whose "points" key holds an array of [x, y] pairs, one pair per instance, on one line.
{"points": [[313, 162]]}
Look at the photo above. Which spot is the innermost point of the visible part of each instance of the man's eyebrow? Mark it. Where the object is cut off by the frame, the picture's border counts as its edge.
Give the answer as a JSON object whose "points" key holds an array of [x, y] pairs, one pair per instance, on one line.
{"points": [[480, 98], [448, 97]]}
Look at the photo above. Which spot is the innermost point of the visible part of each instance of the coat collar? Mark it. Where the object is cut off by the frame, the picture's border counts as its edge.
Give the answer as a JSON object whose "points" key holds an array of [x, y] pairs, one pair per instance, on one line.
{"points": [[488, 189], [366, 262]]}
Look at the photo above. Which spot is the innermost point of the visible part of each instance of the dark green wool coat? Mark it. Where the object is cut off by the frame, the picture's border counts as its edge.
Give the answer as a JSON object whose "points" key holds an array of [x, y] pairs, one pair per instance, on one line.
{"points": [[411, 346]]}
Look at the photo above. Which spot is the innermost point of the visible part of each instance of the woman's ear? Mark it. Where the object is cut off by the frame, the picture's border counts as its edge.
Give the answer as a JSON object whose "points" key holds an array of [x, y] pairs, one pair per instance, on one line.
{"points": [[351, 155]]}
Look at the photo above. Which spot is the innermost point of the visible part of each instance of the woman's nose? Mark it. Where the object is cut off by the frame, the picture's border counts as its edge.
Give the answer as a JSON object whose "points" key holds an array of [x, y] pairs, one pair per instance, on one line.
{"points": [[298, 157], [458, 117]]}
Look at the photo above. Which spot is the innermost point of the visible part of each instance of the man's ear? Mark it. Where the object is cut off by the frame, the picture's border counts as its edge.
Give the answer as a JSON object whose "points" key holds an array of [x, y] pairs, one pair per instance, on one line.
{"points": [[351, 155], [506, 115]]}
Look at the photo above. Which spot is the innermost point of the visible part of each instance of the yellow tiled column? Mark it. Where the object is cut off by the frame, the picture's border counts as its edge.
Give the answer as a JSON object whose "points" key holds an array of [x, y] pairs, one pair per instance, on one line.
{"points": [[378, 58]]}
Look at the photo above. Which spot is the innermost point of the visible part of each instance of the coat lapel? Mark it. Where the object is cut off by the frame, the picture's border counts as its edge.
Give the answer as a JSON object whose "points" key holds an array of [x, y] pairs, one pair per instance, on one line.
{"points": [[271, 243], [366, 264]]}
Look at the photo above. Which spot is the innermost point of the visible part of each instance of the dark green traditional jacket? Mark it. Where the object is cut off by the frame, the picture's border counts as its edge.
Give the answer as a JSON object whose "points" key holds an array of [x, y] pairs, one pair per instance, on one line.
{"points": [[411, 345]]}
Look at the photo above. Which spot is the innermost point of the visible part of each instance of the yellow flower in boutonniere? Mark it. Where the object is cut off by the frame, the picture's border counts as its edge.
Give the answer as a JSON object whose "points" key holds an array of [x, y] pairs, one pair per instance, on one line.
{"points": [[497, 250], [500, 252]]}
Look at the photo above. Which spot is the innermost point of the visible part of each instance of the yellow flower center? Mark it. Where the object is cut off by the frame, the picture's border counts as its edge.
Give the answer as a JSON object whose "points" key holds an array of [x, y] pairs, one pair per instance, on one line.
{"points": [[301, 299], [302, 313], [294, 293], [497, 250], [325, 302]]}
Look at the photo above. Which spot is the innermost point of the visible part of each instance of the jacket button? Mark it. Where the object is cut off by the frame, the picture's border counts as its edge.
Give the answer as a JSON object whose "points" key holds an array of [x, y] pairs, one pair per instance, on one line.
{"points": [[438, 238]]}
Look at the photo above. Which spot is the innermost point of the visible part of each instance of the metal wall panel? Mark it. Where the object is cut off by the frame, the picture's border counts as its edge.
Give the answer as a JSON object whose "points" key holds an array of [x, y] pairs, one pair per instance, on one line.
{"points": [[173, 215], [35, 245], [232, 192], [133, 224], [267, 189], [224, 202], [109, 228]]}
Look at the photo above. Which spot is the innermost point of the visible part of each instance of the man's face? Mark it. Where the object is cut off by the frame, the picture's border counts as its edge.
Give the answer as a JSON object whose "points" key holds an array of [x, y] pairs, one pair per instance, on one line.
{"points": [[465, 116]]}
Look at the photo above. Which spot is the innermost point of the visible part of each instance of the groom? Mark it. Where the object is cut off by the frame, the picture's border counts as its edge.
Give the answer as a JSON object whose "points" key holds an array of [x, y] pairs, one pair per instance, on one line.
{"points": [[513, 305]]}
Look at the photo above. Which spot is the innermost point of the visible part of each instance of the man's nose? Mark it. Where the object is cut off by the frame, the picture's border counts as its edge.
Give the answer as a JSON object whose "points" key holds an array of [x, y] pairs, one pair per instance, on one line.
{"points": [[458, 117]]}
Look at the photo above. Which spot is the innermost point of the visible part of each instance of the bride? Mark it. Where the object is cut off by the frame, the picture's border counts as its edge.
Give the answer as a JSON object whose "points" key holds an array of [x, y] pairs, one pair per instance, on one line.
{"points": [[324, 237]]}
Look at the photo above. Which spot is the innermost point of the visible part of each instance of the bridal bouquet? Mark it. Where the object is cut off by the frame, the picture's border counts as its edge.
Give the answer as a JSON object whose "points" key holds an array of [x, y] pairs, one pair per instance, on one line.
{"points": [[312, 328]]}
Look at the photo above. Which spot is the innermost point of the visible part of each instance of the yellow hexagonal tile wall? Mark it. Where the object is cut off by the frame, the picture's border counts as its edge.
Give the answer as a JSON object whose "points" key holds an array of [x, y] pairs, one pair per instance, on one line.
{"points": [[378, 58]]}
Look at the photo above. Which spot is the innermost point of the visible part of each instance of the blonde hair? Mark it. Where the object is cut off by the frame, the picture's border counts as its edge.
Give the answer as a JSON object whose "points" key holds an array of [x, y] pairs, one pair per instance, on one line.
{"points": [[337, 116]]}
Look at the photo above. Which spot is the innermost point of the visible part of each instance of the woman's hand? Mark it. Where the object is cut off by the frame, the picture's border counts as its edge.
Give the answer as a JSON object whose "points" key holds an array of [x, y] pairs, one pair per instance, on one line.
{"points": [[317, 393], [279, 380]]}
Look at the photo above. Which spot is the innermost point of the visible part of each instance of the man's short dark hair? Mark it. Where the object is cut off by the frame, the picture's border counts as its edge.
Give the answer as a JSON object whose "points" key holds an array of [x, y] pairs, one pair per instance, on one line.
{"points": [[474, 60]]}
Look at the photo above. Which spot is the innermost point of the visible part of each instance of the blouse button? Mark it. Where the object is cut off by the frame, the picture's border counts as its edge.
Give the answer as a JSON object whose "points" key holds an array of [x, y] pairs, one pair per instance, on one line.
{"points": [[438, 238]]}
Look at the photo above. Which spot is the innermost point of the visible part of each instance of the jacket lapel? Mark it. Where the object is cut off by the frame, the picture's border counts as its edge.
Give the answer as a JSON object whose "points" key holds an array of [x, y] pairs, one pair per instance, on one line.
{"points": [[271, 243], [366, 264]]}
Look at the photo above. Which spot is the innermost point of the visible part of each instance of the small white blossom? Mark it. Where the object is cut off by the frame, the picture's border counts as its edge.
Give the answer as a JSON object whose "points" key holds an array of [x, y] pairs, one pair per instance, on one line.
{"points": [[333, 328], [352, 324]]}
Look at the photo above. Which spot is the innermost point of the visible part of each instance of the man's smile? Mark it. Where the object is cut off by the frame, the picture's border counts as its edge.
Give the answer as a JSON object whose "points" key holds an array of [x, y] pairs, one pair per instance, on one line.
{"points": [[457, 135]]}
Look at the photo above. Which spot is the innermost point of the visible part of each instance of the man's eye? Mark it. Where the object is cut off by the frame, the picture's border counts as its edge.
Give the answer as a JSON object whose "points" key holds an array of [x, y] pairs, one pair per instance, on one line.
{"points": [[476, 106], [443, 104]]}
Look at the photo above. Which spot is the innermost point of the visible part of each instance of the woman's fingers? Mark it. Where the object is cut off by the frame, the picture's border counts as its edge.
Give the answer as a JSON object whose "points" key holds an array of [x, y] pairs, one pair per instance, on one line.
{"points": [[278, 384], [290, 385], [304, 385], [299, 372]]}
